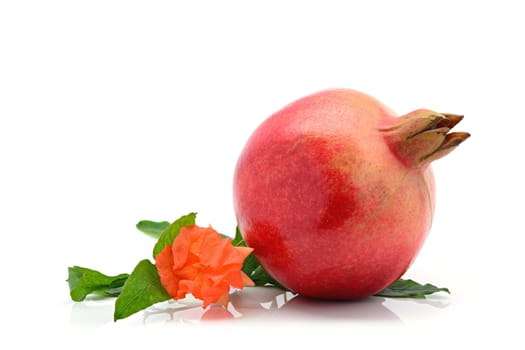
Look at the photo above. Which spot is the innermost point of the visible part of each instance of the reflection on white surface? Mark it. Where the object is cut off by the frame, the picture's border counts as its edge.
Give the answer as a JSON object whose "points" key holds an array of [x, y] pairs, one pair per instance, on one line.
{"points": [[92, 313], [262, 304]]}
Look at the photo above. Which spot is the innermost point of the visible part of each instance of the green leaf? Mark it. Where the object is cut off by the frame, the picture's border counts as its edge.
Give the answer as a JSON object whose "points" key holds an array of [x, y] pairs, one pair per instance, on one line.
{"points": [[168, 235], [238, 241], [260, 277], [152, 228], [410, 289], [83, 281], [250, 264], [141, 290]]}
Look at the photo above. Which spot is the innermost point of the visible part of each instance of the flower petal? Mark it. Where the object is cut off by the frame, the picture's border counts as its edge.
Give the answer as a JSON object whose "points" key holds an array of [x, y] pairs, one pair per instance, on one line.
{"points": [[244, 251], [185, 287], [182, 245], [214, 250], [168, 279], [202, 263], [247, 281], [212, 293], [224, 298]]}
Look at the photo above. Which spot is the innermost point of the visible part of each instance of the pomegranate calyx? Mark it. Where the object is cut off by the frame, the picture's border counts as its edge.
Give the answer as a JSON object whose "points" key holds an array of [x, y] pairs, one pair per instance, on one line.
{"points": [[452, 119], [422, 136], [451, 141]]}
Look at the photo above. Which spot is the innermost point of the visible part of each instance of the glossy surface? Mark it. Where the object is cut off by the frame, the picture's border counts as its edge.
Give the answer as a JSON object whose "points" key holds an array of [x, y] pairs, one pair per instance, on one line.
{"points": [[330, 211], [259, 304]]}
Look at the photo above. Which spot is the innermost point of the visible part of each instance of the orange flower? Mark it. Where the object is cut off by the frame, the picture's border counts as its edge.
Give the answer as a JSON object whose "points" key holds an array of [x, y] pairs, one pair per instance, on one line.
{"points": [[202, 263]]}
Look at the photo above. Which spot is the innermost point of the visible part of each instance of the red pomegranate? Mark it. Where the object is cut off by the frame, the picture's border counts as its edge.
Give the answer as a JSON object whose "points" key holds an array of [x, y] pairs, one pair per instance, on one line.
{"points": [[335, 192]]}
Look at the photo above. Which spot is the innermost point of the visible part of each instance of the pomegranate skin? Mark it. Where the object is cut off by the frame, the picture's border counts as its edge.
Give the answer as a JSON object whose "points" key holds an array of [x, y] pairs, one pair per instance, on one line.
{"points": [[329, 198]]}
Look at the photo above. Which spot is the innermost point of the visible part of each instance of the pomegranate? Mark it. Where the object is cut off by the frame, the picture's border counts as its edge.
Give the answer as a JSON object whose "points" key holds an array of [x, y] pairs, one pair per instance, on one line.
{"points": [[335, 193]]}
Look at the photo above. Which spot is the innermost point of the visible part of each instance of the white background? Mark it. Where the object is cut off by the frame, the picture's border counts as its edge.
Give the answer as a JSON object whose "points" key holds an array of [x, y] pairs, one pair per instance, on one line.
{"points": [[117, 111]]}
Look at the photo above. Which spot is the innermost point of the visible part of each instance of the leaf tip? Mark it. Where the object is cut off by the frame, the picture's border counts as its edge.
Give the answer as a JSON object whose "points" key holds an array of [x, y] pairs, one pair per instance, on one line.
{"points": [[116, 316]]}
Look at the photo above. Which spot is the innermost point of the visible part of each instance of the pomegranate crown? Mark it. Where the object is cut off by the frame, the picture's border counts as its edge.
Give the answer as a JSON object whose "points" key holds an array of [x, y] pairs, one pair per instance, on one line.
{"points": [[422, 136]]}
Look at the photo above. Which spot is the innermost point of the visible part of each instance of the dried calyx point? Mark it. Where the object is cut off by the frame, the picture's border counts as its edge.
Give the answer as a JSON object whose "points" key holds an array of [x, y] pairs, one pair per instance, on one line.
{"points": [[422, 136]]}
